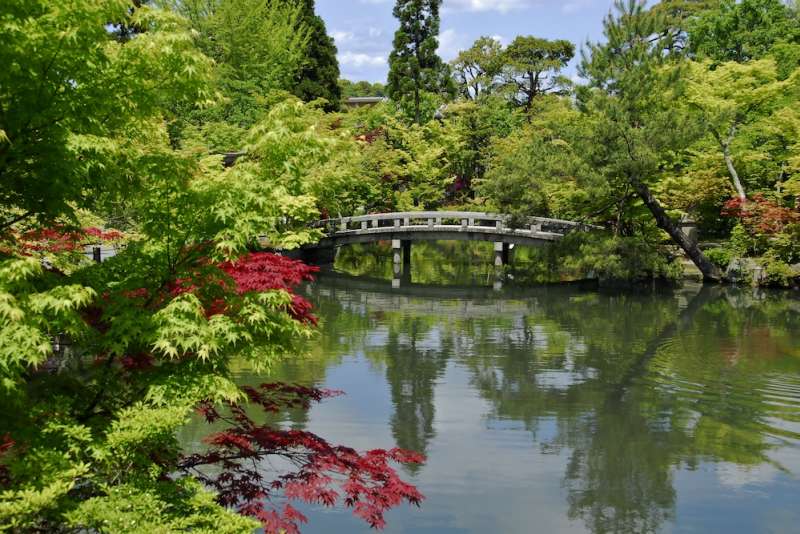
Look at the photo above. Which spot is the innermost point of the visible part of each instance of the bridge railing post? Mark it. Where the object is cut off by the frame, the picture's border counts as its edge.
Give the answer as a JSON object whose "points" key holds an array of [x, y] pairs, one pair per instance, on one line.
{"points": [[363, 225]]}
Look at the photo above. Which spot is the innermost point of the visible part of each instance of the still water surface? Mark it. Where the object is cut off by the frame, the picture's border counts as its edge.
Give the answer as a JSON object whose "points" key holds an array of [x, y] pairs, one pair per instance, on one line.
{"points": [[556, 409]]}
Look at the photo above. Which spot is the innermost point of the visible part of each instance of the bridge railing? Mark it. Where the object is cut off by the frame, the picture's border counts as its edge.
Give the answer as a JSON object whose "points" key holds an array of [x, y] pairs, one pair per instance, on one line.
{"points": [[449, 220]]}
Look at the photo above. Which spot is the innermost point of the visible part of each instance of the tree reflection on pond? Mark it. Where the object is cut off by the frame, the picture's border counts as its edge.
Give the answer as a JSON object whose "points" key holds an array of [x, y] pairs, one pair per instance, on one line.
{"points": [[623, 390]]}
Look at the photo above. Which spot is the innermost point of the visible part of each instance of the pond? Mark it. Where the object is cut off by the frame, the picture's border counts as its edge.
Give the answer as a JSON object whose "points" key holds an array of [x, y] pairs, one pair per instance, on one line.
{"points": [[559, 409]]}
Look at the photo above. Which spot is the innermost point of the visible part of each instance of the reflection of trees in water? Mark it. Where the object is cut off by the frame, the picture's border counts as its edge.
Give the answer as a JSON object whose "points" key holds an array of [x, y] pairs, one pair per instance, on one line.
{"points": [[432, 262], [619, 476], [412, 369], [636, 384], [677, 398]]}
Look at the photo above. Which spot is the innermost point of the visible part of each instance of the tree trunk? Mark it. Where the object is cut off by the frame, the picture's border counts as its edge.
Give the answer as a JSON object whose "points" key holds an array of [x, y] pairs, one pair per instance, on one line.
{"points": [[726, 154], [737, 183], [530, 95], [710, 271]]}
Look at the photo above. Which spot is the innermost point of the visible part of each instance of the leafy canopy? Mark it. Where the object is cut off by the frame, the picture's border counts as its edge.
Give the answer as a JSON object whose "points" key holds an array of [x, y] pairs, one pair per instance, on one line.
{"points": [[74, 102]]}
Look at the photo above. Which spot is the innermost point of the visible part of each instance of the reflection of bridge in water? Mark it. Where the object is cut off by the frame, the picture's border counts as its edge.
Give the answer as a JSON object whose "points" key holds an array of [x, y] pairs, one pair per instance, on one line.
{"points": [[436, 299], [405, 227]]}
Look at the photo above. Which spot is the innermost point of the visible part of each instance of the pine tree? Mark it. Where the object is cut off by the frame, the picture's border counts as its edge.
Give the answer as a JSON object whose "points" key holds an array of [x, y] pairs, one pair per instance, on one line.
{"points": [[414, 66], [319, 77], [533, 67], [634, 87]]}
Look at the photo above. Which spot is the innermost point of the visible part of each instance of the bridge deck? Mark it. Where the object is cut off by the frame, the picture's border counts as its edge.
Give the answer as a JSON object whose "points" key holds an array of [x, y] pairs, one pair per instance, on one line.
{"points": [[444, 225]]}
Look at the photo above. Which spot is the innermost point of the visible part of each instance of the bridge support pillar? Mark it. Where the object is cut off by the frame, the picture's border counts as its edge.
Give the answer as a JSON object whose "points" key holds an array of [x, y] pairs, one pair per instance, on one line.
{"points": [[397, 255], [500, 254], [401, 262]]}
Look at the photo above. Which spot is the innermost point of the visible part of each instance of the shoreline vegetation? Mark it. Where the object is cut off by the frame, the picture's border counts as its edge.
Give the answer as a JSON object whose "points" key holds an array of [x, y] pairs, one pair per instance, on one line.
{"points": [[116, 119]]}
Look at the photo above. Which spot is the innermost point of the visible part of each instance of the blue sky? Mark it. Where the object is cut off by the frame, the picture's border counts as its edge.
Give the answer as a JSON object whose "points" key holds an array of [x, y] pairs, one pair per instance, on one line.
{"points": [[363, 29]]}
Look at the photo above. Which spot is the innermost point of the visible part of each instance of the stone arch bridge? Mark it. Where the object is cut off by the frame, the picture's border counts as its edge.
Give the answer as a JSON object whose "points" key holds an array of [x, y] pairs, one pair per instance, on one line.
{"points": [[403, 228]]}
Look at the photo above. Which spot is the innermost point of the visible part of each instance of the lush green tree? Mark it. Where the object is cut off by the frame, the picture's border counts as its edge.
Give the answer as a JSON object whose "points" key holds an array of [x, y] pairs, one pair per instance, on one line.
{"points": [[318, 76], [362, 88], [532, 67], [677, 16], [634, 88], [476, 69], [414, 66], [102, 364], [301, 149], [476, 126], [86, 437], [539, 170], [259, 49], [733, 96], [408, 163], [53, 151], [743, 30], [418, 165]]}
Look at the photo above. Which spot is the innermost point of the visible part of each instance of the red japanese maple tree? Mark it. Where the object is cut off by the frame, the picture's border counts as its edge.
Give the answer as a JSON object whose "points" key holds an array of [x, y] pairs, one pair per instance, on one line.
{"points": [[236, 464], [239, 461], [760, 215]]}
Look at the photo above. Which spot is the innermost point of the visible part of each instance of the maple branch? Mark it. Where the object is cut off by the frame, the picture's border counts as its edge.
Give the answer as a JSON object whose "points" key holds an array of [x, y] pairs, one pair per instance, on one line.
{"points": [[15, 220]]}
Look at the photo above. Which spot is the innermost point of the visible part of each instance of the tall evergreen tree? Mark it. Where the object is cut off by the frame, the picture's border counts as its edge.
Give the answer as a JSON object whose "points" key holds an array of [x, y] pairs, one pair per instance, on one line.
{"points": [[634, 87], [319, 77], [414, 65]]}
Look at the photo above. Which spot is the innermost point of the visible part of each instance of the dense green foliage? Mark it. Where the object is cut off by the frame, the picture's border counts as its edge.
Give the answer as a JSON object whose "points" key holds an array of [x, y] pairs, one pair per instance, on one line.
{"points": [[319, 75], [362, 88], [258, 49], [533, 66], [744, 30], [114, 114], [53, 152], [101, 364]]}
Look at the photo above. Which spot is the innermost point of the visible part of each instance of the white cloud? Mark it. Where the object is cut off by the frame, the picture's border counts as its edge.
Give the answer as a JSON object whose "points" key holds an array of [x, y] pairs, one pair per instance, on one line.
{"points": [[450, 44], [354, 59], [342, 37], [503, 6]]}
